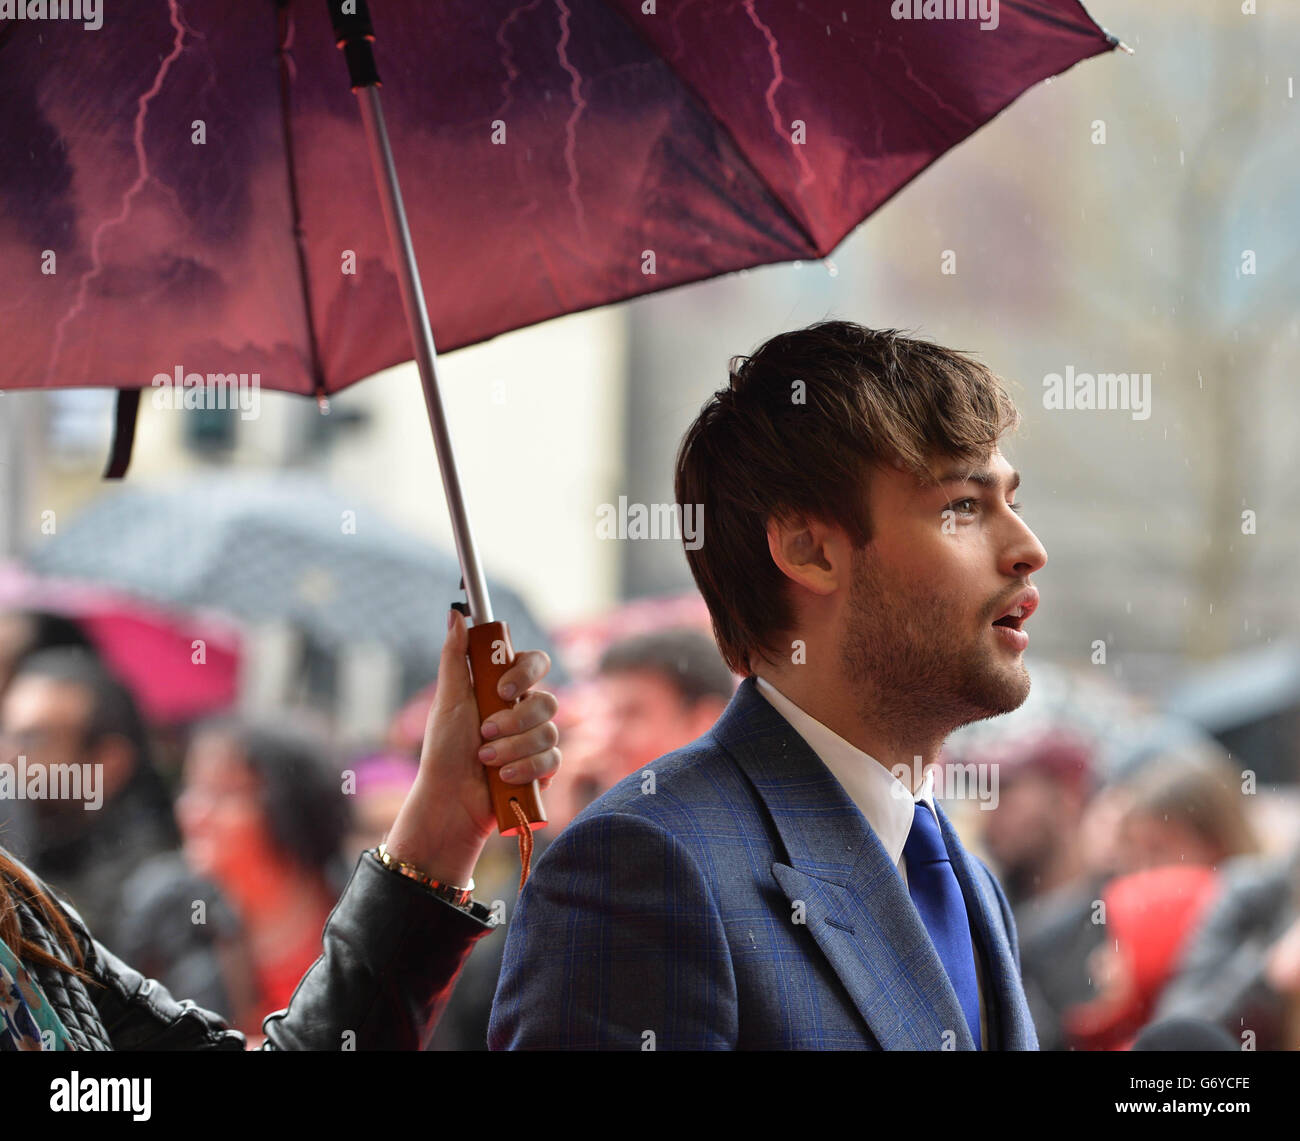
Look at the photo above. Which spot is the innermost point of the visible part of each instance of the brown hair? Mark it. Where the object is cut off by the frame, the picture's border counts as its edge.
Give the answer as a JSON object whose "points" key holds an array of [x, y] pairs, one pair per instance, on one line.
{"points": [[794, 436], [1199, 787], [15, 883]]}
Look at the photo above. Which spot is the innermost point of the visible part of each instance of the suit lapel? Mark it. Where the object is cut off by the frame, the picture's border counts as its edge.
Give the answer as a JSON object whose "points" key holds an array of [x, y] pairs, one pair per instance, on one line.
{"points": [[1008, 1016], [854, 902]]}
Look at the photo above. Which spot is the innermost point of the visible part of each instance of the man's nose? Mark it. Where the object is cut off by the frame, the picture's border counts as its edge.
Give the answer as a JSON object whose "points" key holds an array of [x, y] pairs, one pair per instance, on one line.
{"points": [[1024, 554]]}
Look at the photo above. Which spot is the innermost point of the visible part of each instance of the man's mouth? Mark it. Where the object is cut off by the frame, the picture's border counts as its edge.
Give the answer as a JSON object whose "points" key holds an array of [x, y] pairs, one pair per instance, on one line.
{"points": [[1014, 616], [1017, 611]]}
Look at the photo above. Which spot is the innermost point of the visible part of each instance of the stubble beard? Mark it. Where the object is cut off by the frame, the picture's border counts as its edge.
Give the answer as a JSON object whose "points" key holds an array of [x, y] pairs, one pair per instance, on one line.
{"points": [[918, 673]]}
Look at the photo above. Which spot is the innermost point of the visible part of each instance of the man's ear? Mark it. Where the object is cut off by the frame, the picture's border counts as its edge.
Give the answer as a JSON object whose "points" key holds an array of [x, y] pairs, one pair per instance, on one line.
{"points": [[809, 552]]}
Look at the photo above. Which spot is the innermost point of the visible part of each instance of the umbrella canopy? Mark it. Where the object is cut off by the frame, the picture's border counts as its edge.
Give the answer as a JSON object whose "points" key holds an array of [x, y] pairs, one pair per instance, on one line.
{"points": [[214, 213], [284, 549], [188, 187]]}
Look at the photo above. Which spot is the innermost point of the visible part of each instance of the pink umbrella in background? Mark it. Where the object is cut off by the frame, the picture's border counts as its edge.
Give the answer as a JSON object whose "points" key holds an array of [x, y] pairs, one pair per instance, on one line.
{"points": [[179, 666]]}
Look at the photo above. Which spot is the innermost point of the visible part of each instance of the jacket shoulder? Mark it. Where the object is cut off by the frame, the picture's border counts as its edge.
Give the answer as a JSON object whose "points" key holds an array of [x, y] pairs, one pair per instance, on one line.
{"points": [[694, 780]]}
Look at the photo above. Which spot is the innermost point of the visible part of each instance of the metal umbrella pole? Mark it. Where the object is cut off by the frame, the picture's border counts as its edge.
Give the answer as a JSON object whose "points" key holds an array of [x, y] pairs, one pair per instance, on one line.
{"points": [[518, 807]]}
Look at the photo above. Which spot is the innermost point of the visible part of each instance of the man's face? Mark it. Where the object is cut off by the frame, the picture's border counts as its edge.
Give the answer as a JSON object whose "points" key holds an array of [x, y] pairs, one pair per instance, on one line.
{"points": [[223, 825], [45, 721], [1154, 840], [943, 564], [1028, 823], [648, 718]]}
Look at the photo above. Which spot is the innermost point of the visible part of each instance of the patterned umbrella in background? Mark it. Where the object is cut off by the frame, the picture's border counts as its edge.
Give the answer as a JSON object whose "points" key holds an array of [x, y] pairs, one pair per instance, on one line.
{"points": [[282, 548]]}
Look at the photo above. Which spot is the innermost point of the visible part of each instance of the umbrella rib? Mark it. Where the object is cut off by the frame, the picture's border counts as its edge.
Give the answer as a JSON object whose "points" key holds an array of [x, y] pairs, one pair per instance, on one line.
{"points": [[699, 98], [283, 24]]}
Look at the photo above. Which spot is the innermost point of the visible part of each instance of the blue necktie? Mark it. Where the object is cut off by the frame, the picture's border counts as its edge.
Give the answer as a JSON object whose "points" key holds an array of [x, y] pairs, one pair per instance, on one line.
{"points": [[937, 895]]}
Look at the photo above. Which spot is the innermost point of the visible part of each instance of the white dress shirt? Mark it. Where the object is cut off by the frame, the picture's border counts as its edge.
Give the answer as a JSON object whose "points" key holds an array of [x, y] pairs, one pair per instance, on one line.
{"points": [[886, 802]]}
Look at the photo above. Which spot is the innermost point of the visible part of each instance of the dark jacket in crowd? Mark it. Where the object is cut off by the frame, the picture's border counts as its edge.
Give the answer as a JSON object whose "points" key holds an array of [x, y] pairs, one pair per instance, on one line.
{"points": [[91, 856], [1221, 975], [1057, 934], [157, 931]]}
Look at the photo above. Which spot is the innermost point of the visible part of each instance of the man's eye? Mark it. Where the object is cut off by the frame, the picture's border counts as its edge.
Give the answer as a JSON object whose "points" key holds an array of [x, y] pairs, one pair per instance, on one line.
{"points": [[959, 504]]}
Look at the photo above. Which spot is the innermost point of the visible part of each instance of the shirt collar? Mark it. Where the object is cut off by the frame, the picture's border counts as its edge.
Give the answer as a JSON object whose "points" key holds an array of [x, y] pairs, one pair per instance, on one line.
{"points": [[886, 802]]}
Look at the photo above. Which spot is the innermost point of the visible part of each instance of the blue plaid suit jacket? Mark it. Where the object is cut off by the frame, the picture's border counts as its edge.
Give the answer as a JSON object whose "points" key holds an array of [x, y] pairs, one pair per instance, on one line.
{"points": [[744, 903]]}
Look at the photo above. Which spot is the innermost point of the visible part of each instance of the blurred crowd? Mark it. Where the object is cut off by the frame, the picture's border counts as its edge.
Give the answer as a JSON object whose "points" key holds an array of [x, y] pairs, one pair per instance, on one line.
{"points": [[1141, 893]]}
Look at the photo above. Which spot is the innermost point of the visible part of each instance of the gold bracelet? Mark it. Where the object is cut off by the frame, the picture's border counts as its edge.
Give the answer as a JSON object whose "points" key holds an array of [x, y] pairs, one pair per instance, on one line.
{"points": [[456, 896]]}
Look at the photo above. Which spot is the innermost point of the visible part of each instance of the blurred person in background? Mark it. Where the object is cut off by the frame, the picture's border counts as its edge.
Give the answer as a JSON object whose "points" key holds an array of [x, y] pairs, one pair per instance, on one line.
{"points": [[1044, 784], [1183, 828], [1036, 839], [1241, 969], [1185, 807], [656, 692], [263, 816], [652, 693], [64, 708], [1149, 918], [22, 634]]}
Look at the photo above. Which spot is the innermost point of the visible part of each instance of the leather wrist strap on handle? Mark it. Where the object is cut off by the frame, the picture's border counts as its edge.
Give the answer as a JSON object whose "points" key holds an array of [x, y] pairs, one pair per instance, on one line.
{"points": [[518, 806]]}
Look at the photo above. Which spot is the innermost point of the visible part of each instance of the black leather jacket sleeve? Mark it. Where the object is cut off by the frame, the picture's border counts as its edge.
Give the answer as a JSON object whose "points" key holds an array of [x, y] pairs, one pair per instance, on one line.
{"points": [[391, 953]]}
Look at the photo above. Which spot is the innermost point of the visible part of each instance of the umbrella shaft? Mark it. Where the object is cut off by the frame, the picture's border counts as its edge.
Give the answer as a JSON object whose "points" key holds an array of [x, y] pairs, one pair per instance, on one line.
{"points": [[417, 320]]}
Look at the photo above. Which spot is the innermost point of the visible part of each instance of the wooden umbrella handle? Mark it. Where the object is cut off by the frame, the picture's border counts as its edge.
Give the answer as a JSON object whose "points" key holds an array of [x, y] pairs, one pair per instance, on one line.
{"points": [[490, 655]]}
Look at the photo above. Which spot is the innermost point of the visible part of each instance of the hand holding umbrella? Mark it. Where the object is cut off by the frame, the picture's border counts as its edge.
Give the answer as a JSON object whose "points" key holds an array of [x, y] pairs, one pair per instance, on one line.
{"points": [[449, 813]]}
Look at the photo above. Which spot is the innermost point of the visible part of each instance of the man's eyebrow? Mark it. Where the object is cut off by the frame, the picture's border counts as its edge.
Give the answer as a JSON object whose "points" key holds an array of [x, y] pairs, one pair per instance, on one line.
{"points": [[981, 476]]}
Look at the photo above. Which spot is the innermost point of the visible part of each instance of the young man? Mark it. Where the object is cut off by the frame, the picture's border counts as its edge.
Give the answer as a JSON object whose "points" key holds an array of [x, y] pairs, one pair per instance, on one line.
{"points": [[774, 884]]}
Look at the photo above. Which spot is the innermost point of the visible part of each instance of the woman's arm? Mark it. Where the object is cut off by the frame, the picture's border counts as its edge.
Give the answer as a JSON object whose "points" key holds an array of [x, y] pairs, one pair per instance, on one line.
{"points": [[391, 948]]}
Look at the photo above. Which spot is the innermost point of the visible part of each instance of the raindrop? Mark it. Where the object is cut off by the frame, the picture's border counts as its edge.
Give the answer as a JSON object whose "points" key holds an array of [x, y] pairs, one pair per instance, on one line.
{"points": [[831, 268]]}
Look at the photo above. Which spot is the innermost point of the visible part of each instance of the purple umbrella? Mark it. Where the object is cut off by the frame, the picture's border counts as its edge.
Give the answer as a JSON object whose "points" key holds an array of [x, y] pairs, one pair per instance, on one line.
{"points": [[188, 187]]}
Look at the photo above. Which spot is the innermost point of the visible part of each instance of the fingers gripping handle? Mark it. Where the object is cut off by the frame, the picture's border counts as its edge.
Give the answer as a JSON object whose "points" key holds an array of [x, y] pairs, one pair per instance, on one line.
{"points": [[490, 655]]}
